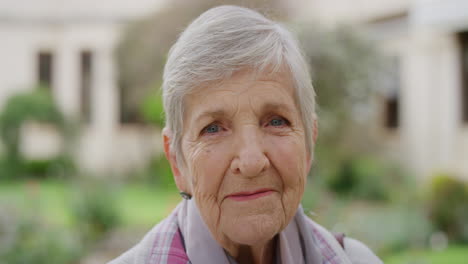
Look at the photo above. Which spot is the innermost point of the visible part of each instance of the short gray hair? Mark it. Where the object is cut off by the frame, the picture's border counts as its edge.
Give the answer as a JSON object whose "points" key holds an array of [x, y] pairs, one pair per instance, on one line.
{"points": [[223, 41]]}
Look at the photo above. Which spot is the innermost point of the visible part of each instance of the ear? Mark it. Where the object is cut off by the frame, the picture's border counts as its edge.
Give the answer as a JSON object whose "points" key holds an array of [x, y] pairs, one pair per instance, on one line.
{"points": [[171, 157], [314, 138], [315, 131]]}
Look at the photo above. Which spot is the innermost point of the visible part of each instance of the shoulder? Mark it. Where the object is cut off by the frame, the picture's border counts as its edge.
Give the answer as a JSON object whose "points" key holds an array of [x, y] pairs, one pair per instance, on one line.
{"points": [[353, 250], [359, 253], [163, 244]]}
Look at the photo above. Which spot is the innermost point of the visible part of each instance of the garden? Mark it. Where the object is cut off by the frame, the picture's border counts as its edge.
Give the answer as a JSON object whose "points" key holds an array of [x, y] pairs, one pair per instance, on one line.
{"points": [[53, 220], [52, 211]]}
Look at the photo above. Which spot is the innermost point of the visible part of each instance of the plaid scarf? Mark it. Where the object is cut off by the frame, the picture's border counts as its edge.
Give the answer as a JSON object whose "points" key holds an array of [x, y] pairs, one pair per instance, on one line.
{"points": [[167, 243]]}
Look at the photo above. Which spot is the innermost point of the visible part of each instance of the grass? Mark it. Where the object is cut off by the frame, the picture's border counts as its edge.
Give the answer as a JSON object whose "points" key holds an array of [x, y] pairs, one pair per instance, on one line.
{"points": [[139, 205], [143, 205], [27, 197], [451, 255]]}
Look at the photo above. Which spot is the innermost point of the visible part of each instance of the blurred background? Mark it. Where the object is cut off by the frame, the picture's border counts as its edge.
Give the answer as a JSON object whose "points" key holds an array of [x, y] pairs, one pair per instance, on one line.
{"points": [[82, 176]]}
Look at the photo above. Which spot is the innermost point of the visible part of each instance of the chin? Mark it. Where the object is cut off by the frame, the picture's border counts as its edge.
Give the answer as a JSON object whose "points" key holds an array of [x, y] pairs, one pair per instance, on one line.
{"points": [[253, 228]]}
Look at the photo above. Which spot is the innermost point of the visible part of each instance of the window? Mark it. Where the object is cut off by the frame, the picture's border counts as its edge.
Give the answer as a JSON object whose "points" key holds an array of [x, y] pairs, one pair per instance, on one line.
{"points": [[45, 65], [129, 106], [464, 70], [392, 112], [392, 90], [86, 68]]}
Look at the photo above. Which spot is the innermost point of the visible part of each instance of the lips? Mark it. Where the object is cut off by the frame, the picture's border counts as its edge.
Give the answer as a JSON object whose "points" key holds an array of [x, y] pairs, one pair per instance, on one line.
{"points": [[245, 196]]}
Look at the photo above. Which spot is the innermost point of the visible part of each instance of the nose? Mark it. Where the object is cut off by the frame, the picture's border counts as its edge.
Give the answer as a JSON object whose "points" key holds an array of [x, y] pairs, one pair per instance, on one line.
{"points": [[250, 159]]}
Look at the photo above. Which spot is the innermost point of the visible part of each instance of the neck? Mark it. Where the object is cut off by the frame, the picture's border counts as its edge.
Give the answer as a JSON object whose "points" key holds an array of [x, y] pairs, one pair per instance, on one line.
{"points": [[258, 254]]}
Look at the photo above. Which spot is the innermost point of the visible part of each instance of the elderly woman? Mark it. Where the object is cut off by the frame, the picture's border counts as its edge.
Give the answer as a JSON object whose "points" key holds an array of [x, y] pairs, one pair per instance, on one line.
{"points": [[240, 133]]}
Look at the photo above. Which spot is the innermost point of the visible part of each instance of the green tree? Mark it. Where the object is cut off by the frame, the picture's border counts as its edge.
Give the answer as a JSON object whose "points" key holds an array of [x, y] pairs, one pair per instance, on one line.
{"points": [[346, 69], [35, 105]]}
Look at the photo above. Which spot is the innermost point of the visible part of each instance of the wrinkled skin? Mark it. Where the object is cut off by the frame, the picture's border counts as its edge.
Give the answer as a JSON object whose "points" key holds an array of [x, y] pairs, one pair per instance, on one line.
{"points": [[243, 134]]}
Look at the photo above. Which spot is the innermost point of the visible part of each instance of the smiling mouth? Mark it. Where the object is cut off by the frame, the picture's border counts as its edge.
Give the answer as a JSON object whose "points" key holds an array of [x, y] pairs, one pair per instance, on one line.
{"points": [[245, 196]]}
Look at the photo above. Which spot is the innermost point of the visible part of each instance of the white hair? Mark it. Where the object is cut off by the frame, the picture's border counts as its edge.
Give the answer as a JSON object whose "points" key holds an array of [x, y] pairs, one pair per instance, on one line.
{"points": [[223, 41]]}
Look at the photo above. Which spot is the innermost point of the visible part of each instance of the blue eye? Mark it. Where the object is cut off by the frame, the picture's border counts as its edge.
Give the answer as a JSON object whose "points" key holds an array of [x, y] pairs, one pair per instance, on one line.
{"points": [[277, 122], [213, 128]]}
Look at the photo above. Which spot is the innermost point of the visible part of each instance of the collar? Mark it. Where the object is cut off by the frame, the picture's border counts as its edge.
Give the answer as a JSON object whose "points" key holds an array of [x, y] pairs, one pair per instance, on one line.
{"points": [[296, 243]]}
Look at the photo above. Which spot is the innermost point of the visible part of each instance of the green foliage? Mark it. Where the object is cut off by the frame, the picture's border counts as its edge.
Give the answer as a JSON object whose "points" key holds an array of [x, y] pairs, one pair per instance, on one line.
{"points": [[345, 67], [95, 210], [447, 203], [389, 229], [345, 179], [29, 240], [35, 105], [152, 109], [361, 178], [61, 166], [452, 255], [158, 173], [384, 227], [162, 172], [373, 202], [9, 168]]}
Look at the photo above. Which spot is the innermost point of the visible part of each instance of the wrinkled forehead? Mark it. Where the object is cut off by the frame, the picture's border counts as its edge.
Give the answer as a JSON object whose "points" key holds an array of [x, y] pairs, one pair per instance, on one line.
{"points": [[271, 89], [243, 81]]}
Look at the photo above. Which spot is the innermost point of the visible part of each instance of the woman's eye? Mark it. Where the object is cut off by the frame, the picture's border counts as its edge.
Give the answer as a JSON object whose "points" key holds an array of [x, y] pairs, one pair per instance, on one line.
{"points": [[210, 129], [277, 122]]}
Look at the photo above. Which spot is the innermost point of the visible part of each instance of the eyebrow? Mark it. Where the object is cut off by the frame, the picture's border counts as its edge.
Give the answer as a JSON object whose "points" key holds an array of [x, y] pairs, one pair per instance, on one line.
{"points": [[214, 113], [275, 106], [219, 112]]}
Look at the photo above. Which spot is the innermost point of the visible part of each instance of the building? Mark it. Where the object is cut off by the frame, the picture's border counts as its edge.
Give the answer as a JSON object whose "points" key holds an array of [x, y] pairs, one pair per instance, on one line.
{"points": [[426, 114], [69, 46]]}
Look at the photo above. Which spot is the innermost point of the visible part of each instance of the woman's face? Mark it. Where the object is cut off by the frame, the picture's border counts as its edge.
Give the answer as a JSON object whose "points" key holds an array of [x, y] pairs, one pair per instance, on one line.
{"points": [[246, 160]]}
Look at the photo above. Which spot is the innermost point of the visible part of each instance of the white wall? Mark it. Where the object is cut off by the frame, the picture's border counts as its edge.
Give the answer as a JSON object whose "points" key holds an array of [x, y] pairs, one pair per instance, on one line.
{"points": [[77, 10], [15, 65], [330, 12], [439, 139]]}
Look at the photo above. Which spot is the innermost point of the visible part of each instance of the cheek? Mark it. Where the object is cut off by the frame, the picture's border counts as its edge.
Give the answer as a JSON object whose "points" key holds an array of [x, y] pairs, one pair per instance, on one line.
{"points": [[288, 156], [208, 166], [209, 163]]}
